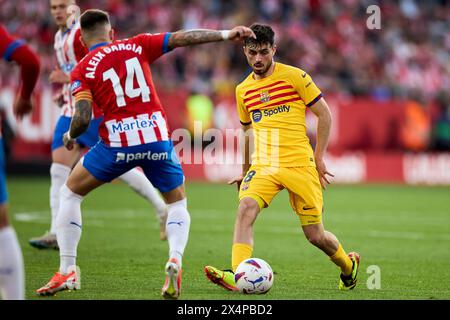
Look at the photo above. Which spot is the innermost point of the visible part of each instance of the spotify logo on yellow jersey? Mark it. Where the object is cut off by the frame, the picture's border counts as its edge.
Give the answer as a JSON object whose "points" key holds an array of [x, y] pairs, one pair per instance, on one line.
{"points": [[257, 114]]}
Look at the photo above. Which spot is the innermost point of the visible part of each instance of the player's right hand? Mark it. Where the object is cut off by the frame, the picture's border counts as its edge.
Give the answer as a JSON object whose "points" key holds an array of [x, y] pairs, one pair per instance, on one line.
{"points": [[73, 13], [68, 143], [237, 180], [240, 33]]}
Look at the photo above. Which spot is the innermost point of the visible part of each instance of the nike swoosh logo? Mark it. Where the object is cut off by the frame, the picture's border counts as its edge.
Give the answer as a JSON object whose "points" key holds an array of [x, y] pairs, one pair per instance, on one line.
{"points": [[76, 224], [305, 208], [304, 75], [6, 271], [175, 222]]}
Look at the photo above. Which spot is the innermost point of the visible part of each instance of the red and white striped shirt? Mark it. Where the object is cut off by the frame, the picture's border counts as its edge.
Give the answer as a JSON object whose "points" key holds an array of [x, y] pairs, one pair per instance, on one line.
{"points": [[69, 50], [118, 77]]}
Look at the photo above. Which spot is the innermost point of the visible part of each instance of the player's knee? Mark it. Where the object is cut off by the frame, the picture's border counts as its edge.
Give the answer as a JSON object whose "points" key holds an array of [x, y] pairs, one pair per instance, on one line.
{"points": [[69, 201], [174, 195], [248, 209], [64, 157], [66, 193], [58, 170]]}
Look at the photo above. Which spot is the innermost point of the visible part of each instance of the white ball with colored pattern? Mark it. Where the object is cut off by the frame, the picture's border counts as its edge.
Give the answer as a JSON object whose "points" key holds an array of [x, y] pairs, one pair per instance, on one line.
{"points": [[254, 276]]}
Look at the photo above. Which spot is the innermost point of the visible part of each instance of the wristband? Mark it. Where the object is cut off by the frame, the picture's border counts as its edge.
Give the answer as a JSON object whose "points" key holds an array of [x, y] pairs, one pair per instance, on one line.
{"points": [[225, 34]]}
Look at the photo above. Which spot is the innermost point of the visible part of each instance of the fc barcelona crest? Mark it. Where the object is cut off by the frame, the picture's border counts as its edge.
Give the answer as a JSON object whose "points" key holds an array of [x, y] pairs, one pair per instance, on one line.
{"points": [[264, 96]]}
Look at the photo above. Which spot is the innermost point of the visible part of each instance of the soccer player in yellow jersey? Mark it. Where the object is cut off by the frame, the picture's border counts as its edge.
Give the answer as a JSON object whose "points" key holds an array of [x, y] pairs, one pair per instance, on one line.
{"points": [[273, 100]]}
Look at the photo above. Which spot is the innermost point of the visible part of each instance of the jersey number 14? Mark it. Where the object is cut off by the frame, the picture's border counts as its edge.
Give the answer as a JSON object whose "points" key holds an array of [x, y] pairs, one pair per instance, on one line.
{"points": [[134, 69]]}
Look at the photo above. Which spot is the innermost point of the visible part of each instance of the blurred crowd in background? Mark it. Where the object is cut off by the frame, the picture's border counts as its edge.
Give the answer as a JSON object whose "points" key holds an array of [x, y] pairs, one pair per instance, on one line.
{"points": [[408, 58]]}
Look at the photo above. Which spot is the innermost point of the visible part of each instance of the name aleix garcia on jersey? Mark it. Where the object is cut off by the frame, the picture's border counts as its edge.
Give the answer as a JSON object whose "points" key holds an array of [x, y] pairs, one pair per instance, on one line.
{"points": [[96, 58]]}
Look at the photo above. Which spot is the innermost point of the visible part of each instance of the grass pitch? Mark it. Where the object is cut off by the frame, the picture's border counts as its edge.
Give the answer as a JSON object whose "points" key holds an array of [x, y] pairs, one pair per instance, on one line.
{"points": [[405, 231]]}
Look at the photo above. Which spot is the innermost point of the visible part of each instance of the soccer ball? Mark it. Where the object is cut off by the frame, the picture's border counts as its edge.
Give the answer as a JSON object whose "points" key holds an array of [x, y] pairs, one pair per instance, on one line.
{"points": [[253, 276]]}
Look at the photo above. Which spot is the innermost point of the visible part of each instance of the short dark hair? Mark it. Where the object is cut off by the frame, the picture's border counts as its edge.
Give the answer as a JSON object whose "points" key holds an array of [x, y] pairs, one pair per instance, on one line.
{"points": [[264, 34], [93, 17]]}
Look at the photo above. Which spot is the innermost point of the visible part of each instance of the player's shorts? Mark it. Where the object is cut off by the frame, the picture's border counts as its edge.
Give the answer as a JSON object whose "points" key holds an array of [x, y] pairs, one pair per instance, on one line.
{"points": [[157, 159], [87, 139], [305, 192], [3, 192]]}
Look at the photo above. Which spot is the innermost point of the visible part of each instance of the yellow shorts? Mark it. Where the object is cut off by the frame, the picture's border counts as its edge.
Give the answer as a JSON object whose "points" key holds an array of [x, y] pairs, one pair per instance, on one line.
{"points": [[305, 192]]}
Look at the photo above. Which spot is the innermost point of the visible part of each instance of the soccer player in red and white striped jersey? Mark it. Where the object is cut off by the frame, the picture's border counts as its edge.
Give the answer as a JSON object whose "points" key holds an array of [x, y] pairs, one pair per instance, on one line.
{"points": [[69, 50]]}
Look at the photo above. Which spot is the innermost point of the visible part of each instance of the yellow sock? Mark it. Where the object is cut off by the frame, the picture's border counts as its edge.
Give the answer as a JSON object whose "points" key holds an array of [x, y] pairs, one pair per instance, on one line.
{"points": [[239, 253], [341, 259]]}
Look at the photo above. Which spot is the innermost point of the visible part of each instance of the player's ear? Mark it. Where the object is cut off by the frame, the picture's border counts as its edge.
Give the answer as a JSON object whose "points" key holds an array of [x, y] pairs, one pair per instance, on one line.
{"points": [[112, 34], [274, 47], [82, 42]]}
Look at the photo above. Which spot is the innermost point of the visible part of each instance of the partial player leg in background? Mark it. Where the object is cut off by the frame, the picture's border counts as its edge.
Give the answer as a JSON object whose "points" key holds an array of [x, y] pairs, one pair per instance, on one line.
{"points": [[137, 180], [12, 282]]}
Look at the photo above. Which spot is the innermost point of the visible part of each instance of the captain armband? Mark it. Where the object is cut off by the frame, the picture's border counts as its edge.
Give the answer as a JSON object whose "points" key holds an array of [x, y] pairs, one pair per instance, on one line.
{"points": [[83, 95]]}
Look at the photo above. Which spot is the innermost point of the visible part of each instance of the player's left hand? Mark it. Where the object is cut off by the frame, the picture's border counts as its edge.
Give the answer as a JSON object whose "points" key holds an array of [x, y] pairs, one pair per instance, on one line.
{"points": [[68, 143], [58, 98], [237, 180], [323, 172], [22, 107], [240, 33]]}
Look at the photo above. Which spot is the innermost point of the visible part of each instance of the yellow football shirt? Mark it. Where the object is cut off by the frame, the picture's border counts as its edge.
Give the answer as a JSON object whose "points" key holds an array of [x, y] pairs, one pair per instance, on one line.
{"points": [[276, 106]]}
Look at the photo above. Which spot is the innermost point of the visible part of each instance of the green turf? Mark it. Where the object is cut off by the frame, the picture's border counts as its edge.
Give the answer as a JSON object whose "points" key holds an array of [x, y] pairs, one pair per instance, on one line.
{"points": [[405, 231]]}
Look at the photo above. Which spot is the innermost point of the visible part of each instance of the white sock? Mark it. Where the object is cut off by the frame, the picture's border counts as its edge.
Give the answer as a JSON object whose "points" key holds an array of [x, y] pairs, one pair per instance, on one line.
{"points": [[177, 226], [12, 279], [68, 231], [137, 180], [58, 175]]}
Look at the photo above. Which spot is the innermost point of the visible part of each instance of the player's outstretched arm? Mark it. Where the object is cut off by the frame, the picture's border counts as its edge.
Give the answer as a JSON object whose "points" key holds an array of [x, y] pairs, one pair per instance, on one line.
{"points": [[199, 36], [80, 122]]}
